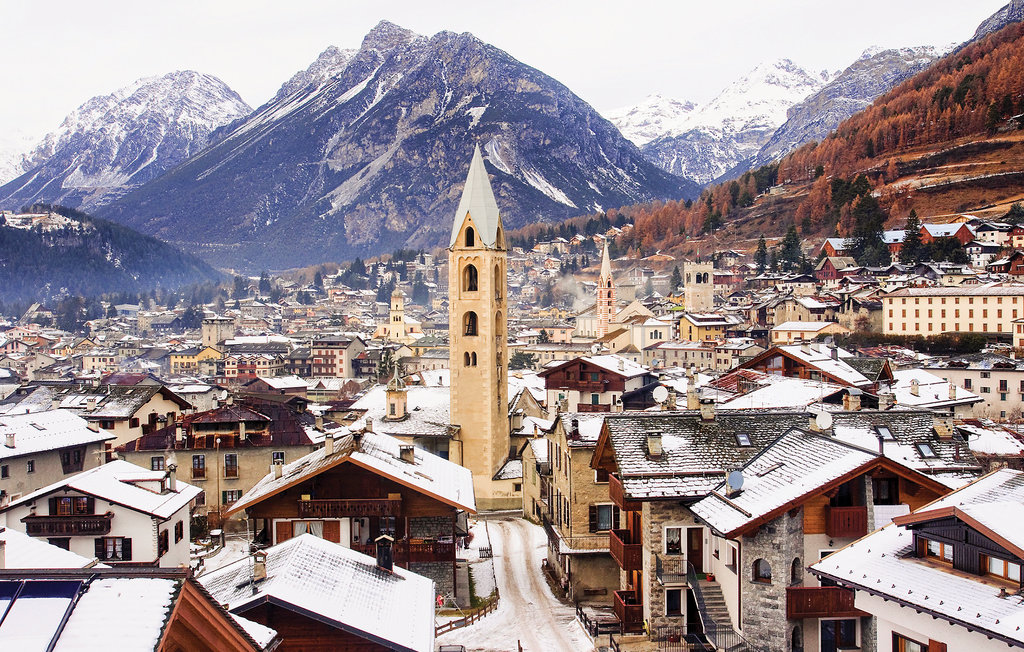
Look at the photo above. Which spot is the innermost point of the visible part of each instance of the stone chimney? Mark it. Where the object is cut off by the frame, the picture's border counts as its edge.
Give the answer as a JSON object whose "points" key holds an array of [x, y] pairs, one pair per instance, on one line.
{"points": [[9, 440], [276, 468], [952, 392], [329, 444], [654, 446], [369, 425], [915, 387], [407, 453], [230, 400], [385, 560], [692, 397], [834, 352], [259, 566], [55, 403], [90, 403], [318, 422], [707, 409], [179, 432], [241, 430], [851, 400], [886, 400], [670, 402], [172, 477]]}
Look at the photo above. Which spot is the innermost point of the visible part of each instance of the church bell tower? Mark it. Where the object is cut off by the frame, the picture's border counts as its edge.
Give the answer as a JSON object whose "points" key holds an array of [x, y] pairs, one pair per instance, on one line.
{"points": [[478, 336]]}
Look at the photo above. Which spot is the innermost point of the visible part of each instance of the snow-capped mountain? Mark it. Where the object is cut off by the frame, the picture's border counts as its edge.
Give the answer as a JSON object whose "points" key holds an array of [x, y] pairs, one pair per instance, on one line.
{"points": [[1010, 13], [13, 146], [655, 116], [368, 153], [875, 72], [707, 141], [115, 142]]}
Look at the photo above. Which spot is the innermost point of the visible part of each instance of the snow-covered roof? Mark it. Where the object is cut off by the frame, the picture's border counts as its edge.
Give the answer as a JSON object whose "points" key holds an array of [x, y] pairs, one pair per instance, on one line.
{"points": [[511, 470], [23, 551], [142, 606], [932, 391], [793, 466], [263, 636], [338, 586], [379, 453], [992, 440], [539, 447], [821, 357], [883, 563], [285, 382], [782, 392], [125, 484], [428, 409], [38, 432], [805, 326]]}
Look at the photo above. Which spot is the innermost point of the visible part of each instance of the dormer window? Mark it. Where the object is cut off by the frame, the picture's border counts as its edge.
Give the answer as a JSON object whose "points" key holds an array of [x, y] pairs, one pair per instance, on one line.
{"points": [[937, 550], [925, 450], [1002, 568]]}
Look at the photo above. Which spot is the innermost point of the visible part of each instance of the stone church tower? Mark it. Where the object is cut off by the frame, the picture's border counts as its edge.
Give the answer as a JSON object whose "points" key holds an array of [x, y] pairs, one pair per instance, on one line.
{"points": [[478, 350], [605, 295], [397, 317]]}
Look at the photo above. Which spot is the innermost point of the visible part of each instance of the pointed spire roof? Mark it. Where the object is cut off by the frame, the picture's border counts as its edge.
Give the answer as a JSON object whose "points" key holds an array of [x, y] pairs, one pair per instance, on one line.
{"points": [[606, 264], [478, 201]]}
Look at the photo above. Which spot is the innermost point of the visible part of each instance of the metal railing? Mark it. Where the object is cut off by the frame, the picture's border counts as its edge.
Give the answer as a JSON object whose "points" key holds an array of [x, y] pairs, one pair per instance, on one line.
{"points": [[721, 636]]}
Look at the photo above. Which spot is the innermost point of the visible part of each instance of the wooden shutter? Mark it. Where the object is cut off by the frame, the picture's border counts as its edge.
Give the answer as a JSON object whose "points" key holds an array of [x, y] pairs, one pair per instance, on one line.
{"points": [[53, 507], [90, 505], [593, 518], [332, 531], [101, 549], [282, 531], [936, 646], [126, 549], [615, 517]]}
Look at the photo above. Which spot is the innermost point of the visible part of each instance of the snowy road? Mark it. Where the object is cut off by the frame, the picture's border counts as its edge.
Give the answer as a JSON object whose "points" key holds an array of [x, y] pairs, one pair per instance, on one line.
{"points": [[527, 612]]}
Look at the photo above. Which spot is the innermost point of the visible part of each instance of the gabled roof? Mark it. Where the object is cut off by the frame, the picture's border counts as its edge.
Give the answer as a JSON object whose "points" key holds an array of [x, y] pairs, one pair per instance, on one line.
{"points": [[478, 202], [124, 484], [38, 432], [337, 586], [378, 453], [23, 551]]}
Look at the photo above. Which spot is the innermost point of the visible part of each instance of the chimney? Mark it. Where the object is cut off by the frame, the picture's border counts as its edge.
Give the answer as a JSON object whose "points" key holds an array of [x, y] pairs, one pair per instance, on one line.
{"points": [[806, 348], [952, 392], [179, 432], [55, 403], [276, 468], [670, 403], [915, 387], [886, 400], [3, 555], [834, 352], [318, 422], [9, 440], [329, 444], [407, 453], [259, 566], [692, 397], [90, 403], [943, 424], [384, 558], [654, 446], [622, 365], [369, 425], [881, 444], [172, 478], [851, 400], [241, 430], [230, 400], [707, 409]]}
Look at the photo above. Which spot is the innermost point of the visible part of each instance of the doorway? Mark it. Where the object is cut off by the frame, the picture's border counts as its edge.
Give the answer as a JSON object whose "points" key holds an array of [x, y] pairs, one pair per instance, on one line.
{"points": [[695, 548]]}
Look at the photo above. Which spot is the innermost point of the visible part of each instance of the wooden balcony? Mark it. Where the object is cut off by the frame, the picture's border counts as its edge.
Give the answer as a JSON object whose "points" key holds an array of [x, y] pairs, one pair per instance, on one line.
{"points": [[592, 407], [820, 602], [64, 526], [628, 555], [629, 611], [349, 507], [413, 551], [846, 522], [586, 386], [618, 496]]}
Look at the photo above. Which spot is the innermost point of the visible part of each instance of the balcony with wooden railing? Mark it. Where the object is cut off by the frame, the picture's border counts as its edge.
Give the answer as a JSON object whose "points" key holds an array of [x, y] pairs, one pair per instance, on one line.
{"points": [[64, 526], [413, 551], [627, 554], [618, 496], [586, 386], [343, 508], [846, 522], [629, 611], [820, 602]]}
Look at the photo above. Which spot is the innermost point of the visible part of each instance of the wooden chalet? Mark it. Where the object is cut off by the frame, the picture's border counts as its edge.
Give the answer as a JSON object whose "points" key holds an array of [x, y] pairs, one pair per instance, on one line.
{"points": [[360, 487], [815, 361]]}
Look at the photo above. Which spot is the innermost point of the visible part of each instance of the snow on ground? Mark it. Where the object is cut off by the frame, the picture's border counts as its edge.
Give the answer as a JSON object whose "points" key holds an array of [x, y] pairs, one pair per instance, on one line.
{"points": [[482, 570], [235, 547], [527, 612]]}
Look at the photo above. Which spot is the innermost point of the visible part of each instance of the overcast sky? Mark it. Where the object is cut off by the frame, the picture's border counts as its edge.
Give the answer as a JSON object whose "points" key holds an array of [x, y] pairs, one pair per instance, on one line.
{"points": [[59, 53]]}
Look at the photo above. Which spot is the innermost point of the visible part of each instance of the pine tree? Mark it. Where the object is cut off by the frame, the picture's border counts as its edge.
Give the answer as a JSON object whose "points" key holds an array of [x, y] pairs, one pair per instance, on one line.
{"points": [[912, 250], [761, 255], [790, 254], [676, 280]]}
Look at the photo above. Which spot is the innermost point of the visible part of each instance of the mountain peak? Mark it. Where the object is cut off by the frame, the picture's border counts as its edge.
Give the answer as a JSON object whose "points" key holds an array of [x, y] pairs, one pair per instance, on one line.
{"points": [[331, 62], [386, 35]]}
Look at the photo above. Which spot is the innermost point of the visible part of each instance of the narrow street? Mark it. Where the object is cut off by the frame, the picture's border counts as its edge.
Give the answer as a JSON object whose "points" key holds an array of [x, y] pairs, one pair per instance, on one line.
{"points": [[527, 612]]}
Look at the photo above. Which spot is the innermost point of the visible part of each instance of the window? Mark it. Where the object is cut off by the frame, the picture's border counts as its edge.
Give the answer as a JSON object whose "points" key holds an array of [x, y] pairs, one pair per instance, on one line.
{"points": [[901, 643], [673, 541], [133, 422], [595, 399], [742, 439], [200, 499], [884, 433], [733, 558], [838, 635], [199, 466], [470, 237], [113, 549], [156, 463], [30, 466], [1002, 568], [469, 323], [762, 572], [470, 279], [967, 384], [937, 550], [986, 374], [602, 517], [277, 457], [925, 450], [231, 465], [601, 476], [64, 543], [673, 602], [986, 390], [163, 543], [231, 496], [179, 531], [5, 471], [1004, 386], [72, 506], [886, 491], [517, 486]]}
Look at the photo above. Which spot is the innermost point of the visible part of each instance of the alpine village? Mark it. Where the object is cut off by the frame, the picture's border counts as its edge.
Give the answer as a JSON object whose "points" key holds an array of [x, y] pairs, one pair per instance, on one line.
{"points": [[425, 354]]}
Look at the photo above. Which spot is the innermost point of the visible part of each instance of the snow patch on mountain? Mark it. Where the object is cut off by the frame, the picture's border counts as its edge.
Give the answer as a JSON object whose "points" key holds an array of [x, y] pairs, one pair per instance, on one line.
{"points": [[331, 63], [655, 116]]}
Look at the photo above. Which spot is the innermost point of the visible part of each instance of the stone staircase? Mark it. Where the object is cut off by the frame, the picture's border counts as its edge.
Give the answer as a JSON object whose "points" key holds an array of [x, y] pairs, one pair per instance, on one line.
{"points": [[716, 610]]}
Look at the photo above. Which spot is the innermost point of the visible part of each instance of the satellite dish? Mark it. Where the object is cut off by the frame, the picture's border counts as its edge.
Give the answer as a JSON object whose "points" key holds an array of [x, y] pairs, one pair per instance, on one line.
{"points": [[735, 480], [823, 420], [660, 394]]}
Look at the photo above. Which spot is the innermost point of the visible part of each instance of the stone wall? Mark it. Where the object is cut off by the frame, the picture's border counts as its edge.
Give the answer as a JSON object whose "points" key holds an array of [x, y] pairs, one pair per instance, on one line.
{"points": [[424, 527], [764, 603], [442, 572]]}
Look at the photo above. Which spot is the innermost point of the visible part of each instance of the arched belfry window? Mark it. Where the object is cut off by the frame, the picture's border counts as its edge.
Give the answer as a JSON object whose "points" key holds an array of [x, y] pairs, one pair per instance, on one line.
{"points": [[470, 279], [469, 325], [473, 358], [470, 237], [465, 357], [497, 282]]}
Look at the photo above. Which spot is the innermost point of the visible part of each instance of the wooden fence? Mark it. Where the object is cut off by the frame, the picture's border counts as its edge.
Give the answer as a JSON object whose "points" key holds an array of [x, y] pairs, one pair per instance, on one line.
{"points": [[469, 618]]}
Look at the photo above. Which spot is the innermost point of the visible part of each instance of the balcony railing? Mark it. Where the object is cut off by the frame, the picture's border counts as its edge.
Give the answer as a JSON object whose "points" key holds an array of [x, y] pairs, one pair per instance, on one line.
{"points": [[627, 554], [349, 507], [586, 386], [629, 611], [820, 602], [670, 569], [846, 522], [618, 496], [413, 551], [63, 526], [198, 474], [593, 407]]}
